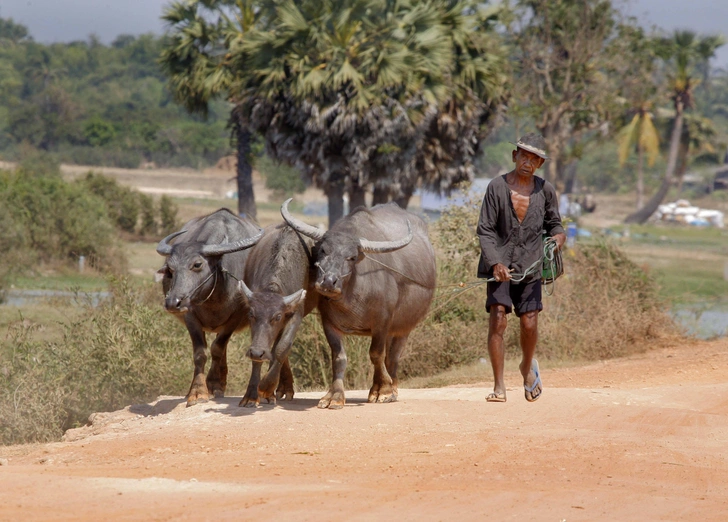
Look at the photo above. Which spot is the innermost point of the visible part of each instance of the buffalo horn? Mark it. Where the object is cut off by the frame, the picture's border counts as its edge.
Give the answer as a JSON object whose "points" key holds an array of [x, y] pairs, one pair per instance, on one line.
{"points": [[381, 247], [289, 299], [304, 228], [164, 248], [229, 248], [247, 291]]}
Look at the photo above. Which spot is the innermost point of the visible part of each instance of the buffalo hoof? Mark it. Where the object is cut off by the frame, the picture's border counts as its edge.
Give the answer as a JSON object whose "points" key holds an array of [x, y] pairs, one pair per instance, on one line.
{"points": [[197, 395], [381, 394], [332, 401], [198, 400], [251, 399], [284, 394]]}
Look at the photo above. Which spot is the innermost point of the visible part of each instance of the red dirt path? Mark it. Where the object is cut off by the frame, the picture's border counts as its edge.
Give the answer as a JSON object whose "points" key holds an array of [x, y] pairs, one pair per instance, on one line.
{"points": [[641, 438]]}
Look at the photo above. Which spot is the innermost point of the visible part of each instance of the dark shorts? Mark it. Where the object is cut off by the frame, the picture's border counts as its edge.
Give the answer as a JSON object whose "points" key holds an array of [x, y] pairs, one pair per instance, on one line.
{"points": [[523, 297]]}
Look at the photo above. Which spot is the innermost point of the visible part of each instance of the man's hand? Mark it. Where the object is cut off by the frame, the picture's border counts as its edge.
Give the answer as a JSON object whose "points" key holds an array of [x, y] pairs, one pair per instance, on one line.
{"points": [[501, 272], [560, 240]]}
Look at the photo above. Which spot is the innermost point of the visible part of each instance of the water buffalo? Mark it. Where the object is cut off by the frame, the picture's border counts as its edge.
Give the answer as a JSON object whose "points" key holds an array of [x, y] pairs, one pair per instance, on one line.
{"points": [[278, 288], [381, 287], [200, 283]]}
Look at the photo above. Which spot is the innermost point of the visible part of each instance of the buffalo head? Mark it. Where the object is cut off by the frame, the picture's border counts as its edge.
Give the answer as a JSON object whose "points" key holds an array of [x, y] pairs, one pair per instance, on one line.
{"points": [[269, 313], [339, 251], [192, 270]]}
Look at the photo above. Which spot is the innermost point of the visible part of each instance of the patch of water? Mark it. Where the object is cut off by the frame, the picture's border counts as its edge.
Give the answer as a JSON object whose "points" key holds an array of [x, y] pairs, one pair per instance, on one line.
{"points": [[29, 297], [705, 321]]}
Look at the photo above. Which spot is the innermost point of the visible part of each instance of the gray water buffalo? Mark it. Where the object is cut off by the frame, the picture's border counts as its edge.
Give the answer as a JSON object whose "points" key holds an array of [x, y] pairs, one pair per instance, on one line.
{"points": [[200, 283], [278, 288], [381, 286]]}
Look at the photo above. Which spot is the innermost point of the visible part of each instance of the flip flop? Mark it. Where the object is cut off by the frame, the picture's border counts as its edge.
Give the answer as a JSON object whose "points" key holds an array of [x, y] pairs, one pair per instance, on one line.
{"points": [[496, 397], [528, 390]]}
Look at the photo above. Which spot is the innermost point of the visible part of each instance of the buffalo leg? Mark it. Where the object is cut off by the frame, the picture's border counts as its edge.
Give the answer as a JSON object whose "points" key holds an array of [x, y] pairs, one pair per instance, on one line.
{"points": [[269, 385], [217, 376], [251, 399], [285, 385], [394, 351], [335, 398], [381, 390], [198, 389]]}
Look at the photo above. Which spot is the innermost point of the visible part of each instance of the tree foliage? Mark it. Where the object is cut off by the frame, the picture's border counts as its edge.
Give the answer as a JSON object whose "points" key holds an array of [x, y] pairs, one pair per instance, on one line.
{"points": [[90, 103], [566, 83], [366, 92]]}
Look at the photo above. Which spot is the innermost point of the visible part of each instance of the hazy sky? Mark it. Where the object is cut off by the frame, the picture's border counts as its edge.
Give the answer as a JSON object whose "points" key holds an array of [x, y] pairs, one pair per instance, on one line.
{"points": [[66, 20]]}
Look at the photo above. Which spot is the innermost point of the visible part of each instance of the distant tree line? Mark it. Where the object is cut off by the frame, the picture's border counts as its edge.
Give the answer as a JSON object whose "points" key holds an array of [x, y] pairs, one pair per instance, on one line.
{"points": [[89, 103]]}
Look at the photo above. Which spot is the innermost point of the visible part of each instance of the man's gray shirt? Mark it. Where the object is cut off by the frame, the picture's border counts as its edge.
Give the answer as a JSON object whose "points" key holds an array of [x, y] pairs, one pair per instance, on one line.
{"points": [[505, 240]]}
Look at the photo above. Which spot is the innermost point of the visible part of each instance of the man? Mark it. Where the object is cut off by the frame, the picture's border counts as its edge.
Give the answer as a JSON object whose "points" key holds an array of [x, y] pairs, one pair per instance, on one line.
{"points": [[516, 208]]}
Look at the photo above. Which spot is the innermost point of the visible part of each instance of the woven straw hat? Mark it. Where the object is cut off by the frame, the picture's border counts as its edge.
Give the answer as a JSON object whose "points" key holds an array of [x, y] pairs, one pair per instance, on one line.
{"points": [[533, 142]]}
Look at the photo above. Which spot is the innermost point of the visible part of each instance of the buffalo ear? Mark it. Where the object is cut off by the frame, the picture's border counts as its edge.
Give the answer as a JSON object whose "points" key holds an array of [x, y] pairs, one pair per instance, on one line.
{"points": [[159, 274]]}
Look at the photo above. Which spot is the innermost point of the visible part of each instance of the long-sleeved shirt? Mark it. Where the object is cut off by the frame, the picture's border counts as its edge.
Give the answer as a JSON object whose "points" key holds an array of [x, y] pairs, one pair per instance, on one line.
{"points": [[505, 240]]}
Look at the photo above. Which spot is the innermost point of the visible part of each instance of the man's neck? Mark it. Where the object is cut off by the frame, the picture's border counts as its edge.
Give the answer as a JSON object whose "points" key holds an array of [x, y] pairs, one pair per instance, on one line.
{"points": [[513, 178]]}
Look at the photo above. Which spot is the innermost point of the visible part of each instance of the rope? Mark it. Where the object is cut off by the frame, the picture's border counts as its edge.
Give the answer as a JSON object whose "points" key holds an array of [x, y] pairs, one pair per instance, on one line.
{"points": [[396, 271]]}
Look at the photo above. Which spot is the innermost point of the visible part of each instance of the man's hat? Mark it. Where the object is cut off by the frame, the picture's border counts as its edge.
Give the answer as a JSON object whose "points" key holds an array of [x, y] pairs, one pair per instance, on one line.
{"points": [[533, 142]]}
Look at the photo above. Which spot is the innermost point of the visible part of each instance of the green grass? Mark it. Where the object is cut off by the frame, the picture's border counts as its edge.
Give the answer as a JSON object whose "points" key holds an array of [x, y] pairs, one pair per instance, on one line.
{"points": [[690, 284], [687, 262]]}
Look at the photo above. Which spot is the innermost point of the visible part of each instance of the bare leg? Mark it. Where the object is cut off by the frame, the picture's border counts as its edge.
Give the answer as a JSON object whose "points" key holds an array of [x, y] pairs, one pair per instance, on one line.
{"points": [[198, 389], [394, 351], [529, 338], [496, 329], [335, 398], [251, 399], [381, 390], [217, 376]]}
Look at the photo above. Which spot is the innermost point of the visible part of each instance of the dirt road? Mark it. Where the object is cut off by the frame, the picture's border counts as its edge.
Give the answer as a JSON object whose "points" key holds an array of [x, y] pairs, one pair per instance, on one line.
{"points": [[642, 438]]}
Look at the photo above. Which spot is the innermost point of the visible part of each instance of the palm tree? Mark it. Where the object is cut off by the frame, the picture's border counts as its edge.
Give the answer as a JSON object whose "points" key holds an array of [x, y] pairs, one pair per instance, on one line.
{"points": [[684, 50], [354, 92], [201, 62], [641, 133]]}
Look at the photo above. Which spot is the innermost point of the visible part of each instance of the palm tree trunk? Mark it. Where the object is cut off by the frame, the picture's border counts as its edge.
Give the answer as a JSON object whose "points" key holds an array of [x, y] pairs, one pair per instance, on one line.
{"points": [[246, 196], [640, 178], [403, 200], [335, 194], [357, 197], [645, 212], [380, 195]]}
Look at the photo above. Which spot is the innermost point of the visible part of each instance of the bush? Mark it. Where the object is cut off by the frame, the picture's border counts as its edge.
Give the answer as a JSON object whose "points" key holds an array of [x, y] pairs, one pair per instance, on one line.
{"points": [[50, 219], [127, 350], [168, 221], [148, 226], [122, 203], [283, 180], [131, 210], [124, 351]]}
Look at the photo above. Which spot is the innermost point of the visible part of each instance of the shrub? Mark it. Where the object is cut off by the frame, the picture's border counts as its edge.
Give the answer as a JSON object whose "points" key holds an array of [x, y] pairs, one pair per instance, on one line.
{"points": [[122, 203], [51, 219], [123, 351], [168, 221], [148, 226], [283, 180]]}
